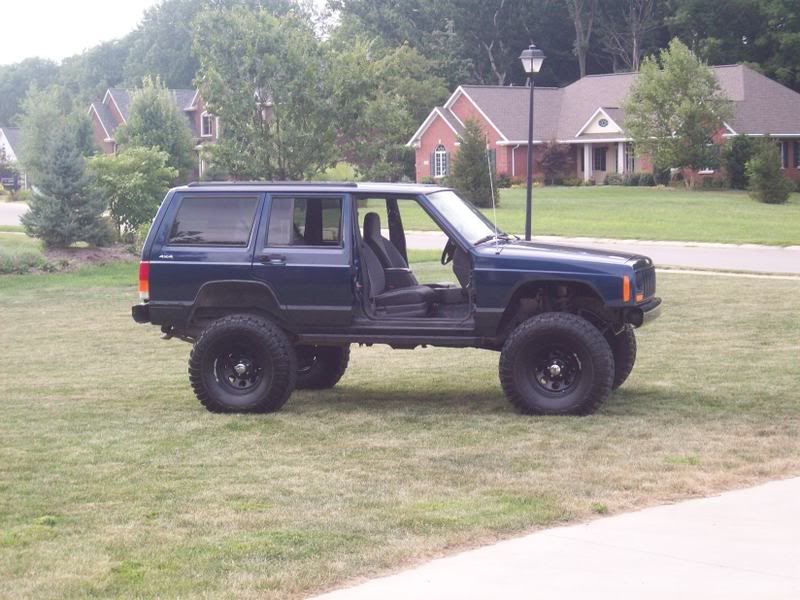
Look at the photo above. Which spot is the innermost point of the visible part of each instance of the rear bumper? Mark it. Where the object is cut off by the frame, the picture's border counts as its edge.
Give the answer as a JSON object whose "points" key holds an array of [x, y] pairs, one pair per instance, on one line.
{"points": [[644, 313], [141, 313]]}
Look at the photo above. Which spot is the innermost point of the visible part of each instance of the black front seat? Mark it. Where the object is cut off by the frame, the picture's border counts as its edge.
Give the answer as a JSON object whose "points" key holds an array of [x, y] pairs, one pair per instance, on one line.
{"points": [[385, 250], [409, 301]]}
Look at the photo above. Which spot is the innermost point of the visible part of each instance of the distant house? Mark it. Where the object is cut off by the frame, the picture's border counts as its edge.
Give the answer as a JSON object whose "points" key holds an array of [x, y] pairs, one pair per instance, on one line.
{"points": [[112, 111], [588, 116], [10, 143]]}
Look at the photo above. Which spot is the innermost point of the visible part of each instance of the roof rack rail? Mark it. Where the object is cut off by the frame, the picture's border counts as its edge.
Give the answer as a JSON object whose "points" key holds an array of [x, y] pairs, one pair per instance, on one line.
{"points": [[348, 184]]}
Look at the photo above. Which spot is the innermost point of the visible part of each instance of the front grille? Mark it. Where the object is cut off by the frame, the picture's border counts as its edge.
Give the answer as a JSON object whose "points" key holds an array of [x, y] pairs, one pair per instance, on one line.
{"points": [[646, 281]]}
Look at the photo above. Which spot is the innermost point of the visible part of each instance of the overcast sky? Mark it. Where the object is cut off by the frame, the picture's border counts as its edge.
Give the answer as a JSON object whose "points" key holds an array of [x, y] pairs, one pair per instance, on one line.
{"points": [[56, 29]]}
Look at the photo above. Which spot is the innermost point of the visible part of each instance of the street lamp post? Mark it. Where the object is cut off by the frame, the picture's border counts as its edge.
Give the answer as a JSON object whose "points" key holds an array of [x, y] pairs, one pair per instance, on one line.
{"points": [[532, 59]]}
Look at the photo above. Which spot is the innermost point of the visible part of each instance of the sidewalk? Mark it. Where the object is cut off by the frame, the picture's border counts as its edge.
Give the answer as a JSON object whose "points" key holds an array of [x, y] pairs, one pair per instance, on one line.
{"points": [[692, 255], [738, 545]]}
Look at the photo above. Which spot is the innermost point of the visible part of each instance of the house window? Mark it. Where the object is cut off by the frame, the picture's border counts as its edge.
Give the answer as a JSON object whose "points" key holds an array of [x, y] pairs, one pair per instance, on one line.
{"points": [[205, 125], [440, 162], [630, 159], [600, 159]]}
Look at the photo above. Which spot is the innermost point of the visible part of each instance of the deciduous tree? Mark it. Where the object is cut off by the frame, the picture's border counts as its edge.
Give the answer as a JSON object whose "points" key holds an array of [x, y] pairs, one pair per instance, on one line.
{"points": [[674, 108]]}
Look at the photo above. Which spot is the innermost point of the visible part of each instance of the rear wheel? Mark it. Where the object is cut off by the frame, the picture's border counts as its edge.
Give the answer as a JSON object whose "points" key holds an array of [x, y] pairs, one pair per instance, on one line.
{"points": [[556, 364], [243, 363], [321, 367]]}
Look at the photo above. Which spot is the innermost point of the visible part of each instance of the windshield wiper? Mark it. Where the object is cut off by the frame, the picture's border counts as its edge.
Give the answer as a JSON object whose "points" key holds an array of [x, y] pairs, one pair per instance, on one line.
{"points": [[488, 238]]}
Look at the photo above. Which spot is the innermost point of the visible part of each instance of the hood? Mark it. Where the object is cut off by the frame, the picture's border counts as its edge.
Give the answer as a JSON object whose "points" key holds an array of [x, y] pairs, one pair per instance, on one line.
{"points": [[523, 249]]}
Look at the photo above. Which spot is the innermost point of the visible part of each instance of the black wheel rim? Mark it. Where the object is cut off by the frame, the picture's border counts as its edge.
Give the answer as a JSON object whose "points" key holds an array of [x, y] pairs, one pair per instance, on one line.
{"points": [[306, 357], [555, 370], [240, 369]]}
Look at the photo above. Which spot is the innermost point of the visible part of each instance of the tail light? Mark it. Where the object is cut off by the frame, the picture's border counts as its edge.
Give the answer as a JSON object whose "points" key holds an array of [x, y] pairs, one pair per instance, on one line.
{"points": [[144, 280]]}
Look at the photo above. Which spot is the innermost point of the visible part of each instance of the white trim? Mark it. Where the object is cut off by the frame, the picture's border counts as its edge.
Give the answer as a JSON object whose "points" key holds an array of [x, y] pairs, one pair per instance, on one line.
{"points": [[594, 114], [99, 120], [192, 105], [452, 100], [729, 128], [775, 135], [427, 123], [210, 133], [572, 141], [108, 93]]}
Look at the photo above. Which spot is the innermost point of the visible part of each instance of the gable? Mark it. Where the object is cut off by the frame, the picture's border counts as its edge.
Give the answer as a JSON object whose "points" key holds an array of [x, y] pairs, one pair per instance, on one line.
{"points": [[601, 122]]}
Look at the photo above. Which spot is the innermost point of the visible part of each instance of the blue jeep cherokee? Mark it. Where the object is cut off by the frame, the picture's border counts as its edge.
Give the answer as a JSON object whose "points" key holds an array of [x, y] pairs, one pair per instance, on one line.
{"points": [[272, 282]]}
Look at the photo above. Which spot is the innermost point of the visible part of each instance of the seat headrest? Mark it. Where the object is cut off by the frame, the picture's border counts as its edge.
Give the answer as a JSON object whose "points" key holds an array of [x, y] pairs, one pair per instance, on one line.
{"points": [[372, 226]]}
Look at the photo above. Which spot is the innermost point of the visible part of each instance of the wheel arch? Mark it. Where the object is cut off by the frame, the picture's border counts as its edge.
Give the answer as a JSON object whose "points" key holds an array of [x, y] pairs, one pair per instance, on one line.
{"points": [[235, 295]]}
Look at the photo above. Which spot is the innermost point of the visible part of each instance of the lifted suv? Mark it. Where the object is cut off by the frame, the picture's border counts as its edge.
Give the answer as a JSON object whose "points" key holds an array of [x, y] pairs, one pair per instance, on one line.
{"points": [[272, 282]]}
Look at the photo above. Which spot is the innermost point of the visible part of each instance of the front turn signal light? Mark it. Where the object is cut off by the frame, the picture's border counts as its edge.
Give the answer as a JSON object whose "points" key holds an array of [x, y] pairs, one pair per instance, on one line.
{"points": [[626, 288]]}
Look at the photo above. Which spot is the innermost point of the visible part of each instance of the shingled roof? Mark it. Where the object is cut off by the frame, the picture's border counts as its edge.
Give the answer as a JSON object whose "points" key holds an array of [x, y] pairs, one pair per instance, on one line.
{"points": [[761, 106], [122, 100]]}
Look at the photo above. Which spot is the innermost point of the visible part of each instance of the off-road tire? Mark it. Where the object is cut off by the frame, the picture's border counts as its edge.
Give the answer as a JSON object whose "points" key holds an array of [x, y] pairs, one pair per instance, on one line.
{"points": [[321, 367], [623, 343], [571, 338], [623, 347], [272, 352]]}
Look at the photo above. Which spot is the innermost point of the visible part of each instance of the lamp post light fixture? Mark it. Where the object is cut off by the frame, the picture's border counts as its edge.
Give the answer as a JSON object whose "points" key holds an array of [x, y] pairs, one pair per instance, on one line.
{"points": [[532, 59]]}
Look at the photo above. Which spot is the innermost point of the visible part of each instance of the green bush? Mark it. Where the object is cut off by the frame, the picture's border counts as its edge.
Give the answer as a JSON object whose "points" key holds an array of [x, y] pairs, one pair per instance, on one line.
{"points": [[631, 179], [572, 181], [647, 179], [503, 180], [766, 181], [735, 154], [614, 179], [22, 262], [427, 180]]}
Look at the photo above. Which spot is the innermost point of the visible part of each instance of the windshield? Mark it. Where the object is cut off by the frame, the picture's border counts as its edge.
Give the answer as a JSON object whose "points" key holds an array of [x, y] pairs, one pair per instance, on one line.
{"points": [[463, 216]]}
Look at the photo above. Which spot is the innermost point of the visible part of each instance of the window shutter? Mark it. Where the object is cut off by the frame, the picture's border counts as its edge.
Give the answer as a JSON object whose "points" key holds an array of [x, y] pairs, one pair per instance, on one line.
{"points": [[797, 155], [433, 164], [493, 161]]}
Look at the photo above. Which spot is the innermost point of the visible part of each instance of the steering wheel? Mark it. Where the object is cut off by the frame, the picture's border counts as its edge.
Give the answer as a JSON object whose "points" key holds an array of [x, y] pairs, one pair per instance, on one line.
{"points": [[449, 252]]}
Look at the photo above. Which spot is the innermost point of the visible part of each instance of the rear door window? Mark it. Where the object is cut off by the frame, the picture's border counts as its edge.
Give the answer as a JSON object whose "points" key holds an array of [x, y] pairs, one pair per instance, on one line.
{"points": [[305, 221], [213, 221]]}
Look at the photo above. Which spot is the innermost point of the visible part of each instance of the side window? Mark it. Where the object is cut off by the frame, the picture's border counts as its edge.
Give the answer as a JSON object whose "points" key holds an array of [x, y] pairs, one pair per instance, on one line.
{"points": [[305, 222], [213, 221]]}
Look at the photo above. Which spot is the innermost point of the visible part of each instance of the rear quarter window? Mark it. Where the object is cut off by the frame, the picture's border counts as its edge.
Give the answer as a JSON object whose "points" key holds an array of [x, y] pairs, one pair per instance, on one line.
{"points": [[213, 221]]}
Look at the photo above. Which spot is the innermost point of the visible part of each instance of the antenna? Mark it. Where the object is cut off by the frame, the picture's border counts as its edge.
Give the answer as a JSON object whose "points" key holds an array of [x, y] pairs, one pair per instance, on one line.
{"points": [[494, 204]]}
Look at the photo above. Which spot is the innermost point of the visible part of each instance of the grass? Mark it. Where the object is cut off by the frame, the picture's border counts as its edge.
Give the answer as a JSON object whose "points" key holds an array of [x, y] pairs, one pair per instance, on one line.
{"points": [[114, 482], [19, 253], [643, 213]]}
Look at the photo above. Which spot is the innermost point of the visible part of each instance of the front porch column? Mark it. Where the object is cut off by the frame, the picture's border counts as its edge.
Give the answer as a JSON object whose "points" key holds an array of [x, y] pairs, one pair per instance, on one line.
{"points": [[587, 162], [620, 157]]}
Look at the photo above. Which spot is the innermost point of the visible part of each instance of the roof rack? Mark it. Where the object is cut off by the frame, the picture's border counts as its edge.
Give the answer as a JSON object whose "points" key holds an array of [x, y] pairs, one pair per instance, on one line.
{"points": [[349, 184]]}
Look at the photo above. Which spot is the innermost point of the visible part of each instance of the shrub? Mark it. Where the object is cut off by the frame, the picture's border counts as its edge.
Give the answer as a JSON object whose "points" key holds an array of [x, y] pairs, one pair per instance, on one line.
{"points": [[22, 262], [572, 181], [614, 179], [766, 181], [503, 180], [470, 174], [647, 179], [427, 180], [735, 154], [631, 179], [555, 160]]}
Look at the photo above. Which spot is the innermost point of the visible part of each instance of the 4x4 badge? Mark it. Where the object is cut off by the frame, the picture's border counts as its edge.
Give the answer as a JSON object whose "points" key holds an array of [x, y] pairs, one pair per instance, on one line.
{"points": [[164, 256]]}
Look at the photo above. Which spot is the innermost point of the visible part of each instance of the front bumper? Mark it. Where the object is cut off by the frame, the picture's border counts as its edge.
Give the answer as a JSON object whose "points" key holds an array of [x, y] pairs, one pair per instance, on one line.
{"points": [[644, 313], [141, 313]]}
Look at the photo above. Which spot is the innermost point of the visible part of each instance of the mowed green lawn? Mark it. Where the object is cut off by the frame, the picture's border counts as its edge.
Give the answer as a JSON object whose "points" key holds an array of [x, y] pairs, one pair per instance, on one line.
{"points": [[114, 482], [644, 213]]}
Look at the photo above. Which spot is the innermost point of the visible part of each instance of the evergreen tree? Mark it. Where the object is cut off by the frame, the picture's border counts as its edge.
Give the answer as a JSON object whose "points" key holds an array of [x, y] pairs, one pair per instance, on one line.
{"points": [[155, 121], [63, 208], [471, 174], [766, 181], [737, 151]]}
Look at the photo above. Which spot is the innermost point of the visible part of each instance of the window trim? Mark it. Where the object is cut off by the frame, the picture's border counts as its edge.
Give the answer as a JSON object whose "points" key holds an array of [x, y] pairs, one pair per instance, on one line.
{"points": [[273, 197], [203, 132], [440, 151], [179, 204]]}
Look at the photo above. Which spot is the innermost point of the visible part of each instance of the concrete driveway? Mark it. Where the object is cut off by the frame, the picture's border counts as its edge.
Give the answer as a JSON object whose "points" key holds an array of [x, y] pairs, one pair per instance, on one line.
{"points": [[10, 212], [738, 545], [692, 255]]}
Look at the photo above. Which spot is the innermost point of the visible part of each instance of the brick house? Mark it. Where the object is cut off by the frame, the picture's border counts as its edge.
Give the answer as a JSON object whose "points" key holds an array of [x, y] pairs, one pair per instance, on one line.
{"points": [[588, 116], [112, 111], [10, 145]]}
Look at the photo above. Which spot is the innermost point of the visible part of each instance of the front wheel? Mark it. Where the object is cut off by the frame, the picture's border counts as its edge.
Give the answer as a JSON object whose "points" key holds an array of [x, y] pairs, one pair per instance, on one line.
{"points": [[556, 364], [243, 363]]}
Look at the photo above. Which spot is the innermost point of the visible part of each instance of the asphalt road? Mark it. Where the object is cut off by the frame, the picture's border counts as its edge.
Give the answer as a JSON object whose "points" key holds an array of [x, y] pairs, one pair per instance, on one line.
{"points": [[689, 255], [10, 212]]}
